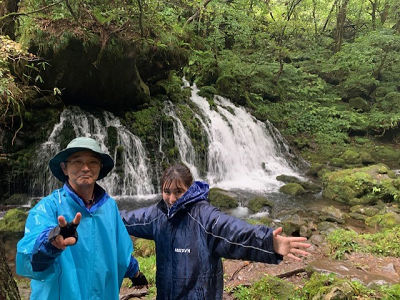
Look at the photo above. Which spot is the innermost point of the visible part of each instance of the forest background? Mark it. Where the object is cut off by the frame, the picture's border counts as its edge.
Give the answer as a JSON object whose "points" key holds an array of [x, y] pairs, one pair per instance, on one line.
{"points": [[325, 73]]}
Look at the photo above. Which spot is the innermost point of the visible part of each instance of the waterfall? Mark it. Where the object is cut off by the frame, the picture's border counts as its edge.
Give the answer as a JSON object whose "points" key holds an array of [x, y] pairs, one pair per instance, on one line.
{"points": [[243, 152], [131, 174], [240, 151], [182, 141]]}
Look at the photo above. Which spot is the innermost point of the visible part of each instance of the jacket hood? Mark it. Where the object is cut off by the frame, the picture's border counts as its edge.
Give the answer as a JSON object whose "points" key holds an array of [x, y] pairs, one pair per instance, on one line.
{"points": [[197, 192]]}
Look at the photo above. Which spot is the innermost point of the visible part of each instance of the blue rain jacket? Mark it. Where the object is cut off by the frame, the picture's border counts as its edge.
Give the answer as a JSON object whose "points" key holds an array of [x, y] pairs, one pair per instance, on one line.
{"points": [[191, 237], [94, 267]]}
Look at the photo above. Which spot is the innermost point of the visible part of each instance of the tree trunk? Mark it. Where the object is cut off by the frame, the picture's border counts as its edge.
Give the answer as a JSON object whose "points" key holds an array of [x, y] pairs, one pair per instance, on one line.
{"points": [[8, 287], [374, 8], [340, 21], [329, 15], [7, 26], [384, 13]]}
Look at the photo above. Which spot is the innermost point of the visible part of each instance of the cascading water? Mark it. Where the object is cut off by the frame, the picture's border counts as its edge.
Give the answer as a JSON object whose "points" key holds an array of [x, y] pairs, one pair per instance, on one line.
{"points": [[243, 152], [130, 177], [182, 141]]}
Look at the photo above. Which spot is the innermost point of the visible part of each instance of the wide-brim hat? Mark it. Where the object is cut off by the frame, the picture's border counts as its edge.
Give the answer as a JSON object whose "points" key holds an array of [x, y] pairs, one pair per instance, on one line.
{"points": [[76, 145]]}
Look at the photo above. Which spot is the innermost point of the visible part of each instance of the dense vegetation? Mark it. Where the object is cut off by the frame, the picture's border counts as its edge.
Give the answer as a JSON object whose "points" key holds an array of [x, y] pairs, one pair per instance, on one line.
{"points": [[325, 73]]}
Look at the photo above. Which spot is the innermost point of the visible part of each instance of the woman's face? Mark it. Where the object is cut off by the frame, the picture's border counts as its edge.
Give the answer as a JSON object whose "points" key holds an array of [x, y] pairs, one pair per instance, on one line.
{"points": [[173, 192]]}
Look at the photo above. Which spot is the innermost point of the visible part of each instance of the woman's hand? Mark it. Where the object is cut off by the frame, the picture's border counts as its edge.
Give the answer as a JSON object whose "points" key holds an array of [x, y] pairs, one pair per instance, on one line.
{"points": [[289, 246]]}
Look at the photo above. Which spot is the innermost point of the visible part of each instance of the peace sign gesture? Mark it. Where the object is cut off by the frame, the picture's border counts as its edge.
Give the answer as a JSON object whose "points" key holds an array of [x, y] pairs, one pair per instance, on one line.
{"points": [[65, 234]]}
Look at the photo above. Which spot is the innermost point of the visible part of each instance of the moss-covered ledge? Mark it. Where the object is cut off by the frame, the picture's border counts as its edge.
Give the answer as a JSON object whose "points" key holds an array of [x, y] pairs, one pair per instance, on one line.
{"points": [[365, 185]]}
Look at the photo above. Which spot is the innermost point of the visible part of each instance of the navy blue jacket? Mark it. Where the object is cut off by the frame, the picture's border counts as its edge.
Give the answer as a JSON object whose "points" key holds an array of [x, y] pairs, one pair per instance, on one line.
{"points": [[191, 237]]}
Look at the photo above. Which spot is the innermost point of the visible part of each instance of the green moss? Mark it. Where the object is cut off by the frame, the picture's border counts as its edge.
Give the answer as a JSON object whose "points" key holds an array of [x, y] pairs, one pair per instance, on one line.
{"points": [[388, 220], [257, 203], [144, 248], [385, 243], [222, 199], [112, 139], [292, 189], [269, 287], [366, 185], [14, 220]]}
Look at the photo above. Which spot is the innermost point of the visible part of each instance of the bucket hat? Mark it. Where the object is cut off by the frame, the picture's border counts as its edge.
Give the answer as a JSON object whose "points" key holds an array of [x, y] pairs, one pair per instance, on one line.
{"points": [[76, 145]]}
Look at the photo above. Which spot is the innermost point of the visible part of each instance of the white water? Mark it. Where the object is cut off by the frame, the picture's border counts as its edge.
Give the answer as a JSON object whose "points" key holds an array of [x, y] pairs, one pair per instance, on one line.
{"points": [[243, 152], [182, 141], [135, 180]]}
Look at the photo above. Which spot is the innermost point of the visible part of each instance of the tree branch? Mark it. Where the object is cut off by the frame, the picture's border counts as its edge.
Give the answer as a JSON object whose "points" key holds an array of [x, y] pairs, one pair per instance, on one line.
{"points": [[15, 14]]}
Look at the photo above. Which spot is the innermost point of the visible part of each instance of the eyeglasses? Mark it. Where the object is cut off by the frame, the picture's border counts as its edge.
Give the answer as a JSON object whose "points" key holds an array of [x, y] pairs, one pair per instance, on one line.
{"points": [[78, 163]]}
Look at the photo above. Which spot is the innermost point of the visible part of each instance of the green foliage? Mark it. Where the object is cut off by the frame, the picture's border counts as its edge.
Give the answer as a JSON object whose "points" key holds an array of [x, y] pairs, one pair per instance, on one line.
{"points": [[144, 123], [320, 285], [14, 220], [268, 288], [391, 292], [341, 242], [385, 243]]}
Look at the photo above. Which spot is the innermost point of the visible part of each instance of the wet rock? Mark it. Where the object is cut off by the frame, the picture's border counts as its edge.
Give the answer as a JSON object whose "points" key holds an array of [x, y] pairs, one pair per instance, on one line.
{"points": [[333, 214], [346, 269]]}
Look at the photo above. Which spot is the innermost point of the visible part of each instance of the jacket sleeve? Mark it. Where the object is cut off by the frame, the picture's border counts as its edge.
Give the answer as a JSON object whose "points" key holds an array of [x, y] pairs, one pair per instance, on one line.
{"points": [[128, 266], [44, 253], [133, 268], [141, 223], [232, 238], [35, 256]]}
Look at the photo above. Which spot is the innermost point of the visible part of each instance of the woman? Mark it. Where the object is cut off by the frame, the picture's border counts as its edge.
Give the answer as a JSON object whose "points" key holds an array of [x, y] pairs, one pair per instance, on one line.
{"points": [[192, 236]]}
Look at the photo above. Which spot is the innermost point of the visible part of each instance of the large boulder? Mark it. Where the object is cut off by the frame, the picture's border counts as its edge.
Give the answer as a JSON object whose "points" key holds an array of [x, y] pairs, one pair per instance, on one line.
{"points": [[366, 185]]}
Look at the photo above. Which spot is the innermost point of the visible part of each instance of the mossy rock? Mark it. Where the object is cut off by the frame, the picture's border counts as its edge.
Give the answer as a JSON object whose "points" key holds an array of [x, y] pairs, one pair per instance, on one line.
{"points": [[287, 179], [366, 158], [207, 92], [366, 185], [385, 154], [18, 199], [351, 157], [302, 142], [292, 189], [222, 199], [14, 220], [315, 168], [326, 286], [368, 211], [337, 162], [258, 203], [292, 224], [272, 286], [359, 103], [144, 248], [310, 187], [383, 221]]}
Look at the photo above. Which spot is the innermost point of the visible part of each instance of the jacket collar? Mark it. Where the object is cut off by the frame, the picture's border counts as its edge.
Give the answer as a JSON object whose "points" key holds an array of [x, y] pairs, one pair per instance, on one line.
{"points": [[198, 191]]}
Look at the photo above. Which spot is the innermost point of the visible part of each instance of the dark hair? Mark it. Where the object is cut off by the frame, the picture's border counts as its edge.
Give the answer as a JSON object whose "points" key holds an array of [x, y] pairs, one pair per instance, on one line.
{"points": [[178, 173]]}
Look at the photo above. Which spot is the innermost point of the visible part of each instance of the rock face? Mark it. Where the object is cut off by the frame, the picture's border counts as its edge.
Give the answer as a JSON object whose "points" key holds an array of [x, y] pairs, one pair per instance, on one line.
{"points": [[92, 77]]}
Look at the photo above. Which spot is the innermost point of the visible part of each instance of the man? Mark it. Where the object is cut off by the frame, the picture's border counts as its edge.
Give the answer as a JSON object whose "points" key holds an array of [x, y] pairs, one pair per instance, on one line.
{"points": [[67, 261]]}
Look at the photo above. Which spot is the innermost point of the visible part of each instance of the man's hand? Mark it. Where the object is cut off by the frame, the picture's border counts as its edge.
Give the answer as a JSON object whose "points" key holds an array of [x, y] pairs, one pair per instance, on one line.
{"points": [[139, 281], [65, 234]]}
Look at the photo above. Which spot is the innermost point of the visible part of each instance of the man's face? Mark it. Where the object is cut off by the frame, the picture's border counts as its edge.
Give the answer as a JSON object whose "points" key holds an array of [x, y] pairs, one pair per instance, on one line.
{"points": [[82, 169]]}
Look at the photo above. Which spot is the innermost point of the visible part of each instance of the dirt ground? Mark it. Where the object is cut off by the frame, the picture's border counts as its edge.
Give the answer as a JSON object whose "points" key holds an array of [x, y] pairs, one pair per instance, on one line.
{"points": [[245, 273]]}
